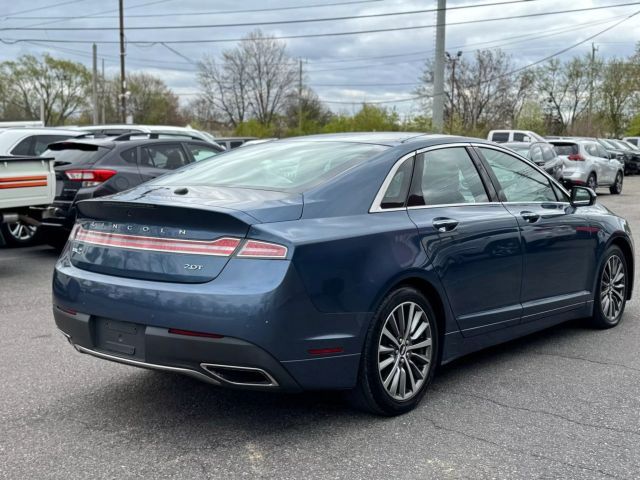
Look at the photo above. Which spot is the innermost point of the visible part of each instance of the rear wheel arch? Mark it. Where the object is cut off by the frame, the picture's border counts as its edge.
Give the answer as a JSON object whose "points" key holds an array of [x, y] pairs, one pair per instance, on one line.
{"points": [[426, 288], [624, 245]]}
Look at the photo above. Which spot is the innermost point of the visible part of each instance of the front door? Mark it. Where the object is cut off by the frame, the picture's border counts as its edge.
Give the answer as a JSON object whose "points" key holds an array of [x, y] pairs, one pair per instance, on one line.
{"points": [[472, 242], [557, 241]]}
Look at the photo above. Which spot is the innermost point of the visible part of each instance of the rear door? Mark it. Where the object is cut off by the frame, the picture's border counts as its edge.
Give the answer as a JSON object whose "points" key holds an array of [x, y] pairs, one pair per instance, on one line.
{"points": [[156, 159], [473, 243], [557, 240]]}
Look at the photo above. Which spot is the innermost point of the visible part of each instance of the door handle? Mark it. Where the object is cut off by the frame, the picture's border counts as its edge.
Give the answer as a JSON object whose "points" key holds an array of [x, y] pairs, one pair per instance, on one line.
{"points": [[530, 216], [445, 224]]}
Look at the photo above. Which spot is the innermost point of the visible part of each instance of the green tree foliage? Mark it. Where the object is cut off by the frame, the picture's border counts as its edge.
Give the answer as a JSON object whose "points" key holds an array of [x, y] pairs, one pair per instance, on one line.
{"points": [[59, 86], [369, 118]]}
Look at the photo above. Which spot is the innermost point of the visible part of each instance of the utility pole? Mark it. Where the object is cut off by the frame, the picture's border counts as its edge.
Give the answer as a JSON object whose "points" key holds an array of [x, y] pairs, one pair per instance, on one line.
{"points": [[103, 95], [437, 119], [94, 84], [300, 99], [592, 65], [123, 82], [453, 61]]}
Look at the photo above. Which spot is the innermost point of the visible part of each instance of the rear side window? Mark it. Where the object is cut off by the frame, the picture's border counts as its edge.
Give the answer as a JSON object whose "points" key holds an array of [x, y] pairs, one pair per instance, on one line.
{"points": [[236, 144], [129, 156], [519, 181], [24, 147], [536, 154], [548, 153], [201, 152], [448, 176], [166, 156], [566, 148], [42, 142], [500, 137], [398, 189], [519, 137]]}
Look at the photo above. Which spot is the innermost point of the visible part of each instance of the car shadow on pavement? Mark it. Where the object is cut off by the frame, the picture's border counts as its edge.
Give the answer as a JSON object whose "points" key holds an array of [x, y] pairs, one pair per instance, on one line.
{"points": [[146, 402]]}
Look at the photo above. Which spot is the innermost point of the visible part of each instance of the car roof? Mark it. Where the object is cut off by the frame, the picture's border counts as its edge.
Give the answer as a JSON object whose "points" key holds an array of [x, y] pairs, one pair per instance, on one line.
{"points": [[380, 138], [523, 144]]}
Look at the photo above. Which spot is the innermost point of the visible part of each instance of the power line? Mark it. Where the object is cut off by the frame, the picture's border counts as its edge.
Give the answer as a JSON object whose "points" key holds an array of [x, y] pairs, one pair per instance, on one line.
{"points": [[319, 35], [256, 24], [44, 7], [190, 14], [512, 72]]}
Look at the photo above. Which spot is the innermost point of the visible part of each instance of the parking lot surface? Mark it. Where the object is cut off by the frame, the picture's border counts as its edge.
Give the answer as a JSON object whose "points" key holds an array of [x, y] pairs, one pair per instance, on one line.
{"points": [[563, 403]]}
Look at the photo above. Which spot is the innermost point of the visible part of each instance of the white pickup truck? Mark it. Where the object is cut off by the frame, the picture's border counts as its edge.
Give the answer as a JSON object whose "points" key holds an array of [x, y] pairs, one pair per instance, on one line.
{"points": [[25, 182]]}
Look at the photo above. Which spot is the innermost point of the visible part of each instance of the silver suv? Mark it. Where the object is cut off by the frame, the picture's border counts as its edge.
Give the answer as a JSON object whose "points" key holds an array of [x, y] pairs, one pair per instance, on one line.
{"points": [[586, 162]]}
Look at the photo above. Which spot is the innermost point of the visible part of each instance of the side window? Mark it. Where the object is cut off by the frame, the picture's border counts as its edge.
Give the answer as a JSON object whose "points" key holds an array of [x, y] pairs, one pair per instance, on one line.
{"points": [[536, 154], [24, 147], [129, 156], [398, 189], [591, 149], [548, 153], [200, 152], [446, 176], [518, 137], [519, 182], [500, 137], [602, 153], [236, 144], [167, 156], [563, 197], [41, 142]]}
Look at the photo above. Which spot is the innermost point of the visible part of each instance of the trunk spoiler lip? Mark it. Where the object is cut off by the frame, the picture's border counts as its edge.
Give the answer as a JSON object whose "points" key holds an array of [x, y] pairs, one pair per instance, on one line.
{"points": [[239, 214]]}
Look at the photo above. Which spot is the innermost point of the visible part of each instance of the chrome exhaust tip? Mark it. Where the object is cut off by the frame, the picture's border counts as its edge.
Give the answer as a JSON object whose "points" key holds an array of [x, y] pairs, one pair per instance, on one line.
{"points": [[241, 376]]}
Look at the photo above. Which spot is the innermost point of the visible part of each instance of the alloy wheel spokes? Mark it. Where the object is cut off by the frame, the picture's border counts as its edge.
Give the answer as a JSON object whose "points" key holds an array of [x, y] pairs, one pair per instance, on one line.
{"points": [[612, 288], [405, 351]]}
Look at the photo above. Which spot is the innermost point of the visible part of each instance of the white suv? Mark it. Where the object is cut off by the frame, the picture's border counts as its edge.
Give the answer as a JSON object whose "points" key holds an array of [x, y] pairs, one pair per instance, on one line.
{"points": [[507, 136]]}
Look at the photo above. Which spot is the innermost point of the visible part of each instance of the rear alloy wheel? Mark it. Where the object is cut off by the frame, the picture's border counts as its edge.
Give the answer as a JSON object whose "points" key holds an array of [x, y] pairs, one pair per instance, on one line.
{"points": [[592, 182], [611, 292], [19, 234], [616, 188], [399, 356]]}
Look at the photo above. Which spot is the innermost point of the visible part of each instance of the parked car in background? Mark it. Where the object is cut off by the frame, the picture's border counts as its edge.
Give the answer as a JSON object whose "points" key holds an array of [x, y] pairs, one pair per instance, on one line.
{"points": [[542, 154], [507, 136], [90, 168], [117, 130], [632, 147], [356, 262], [634, 140], [586, 162], [27, 141], [631, 154], [229, 143], [631, 163]]}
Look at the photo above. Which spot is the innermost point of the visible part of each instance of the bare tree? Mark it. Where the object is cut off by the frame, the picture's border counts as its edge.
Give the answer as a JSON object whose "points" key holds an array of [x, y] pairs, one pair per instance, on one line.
{"points": [[253, 79]]}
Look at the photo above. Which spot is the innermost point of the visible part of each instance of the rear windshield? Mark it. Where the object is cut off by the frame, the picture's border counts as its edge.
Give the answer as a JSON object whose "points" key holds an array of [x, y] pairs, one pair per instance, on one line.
{"points": [[275, 166], [500, 137], [566, 148], [74, 156]]}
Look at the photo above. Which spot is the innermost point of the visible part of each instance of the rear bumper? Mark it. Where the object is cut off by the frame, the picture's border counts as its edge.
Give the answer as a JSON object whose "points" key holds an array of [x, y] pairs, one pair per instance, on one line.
{"points": [[267, 323]]}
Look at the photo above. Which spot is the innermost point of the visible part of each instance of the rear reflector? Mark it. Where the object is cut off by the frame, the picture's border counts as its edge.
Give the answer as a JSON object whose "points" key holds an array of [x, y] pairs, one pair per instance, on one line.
{"points": [[256, 249], [325, 351], [189, 333], [222, 247], [576, 157]]}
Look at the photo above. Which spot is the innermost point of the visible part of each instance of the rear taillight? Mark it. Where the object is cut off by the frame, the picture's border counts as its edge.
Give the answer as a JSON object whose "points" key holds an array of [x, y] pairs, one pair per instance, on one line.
{"points": [[90, 178], [257, 249], [221, 247], [576, 157]]}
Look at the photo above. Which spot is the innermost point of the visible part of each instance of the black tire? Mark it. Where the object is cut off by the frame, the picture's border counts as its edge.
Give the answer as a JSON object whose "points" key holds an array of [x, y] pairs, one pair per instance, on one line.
{"points": [[592, 182], [602, 317], [19, 234], [370, 393], [616, 188]]}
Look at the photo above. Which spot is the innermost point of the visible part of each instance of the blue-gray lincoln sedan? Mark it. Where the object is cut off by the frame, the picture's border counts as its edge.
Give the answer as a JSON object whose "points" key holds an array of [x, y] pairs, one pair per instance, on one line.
{"points": [[357, 262]]}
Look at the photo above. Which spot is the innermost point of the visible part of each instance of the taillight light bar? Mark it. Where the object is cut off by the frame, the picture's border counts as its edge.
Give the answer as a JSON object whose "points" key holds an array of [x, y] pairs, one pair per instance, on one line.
{"points": [[90, 178], [221, 247], [257, 249], [576, 157]]}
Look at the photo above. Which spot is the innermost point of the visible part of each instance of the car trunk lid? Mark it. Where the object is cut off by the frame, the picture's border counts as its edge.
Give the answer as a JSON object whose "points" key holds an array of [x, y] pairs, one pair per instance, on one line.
{"points": [[156, 234]]}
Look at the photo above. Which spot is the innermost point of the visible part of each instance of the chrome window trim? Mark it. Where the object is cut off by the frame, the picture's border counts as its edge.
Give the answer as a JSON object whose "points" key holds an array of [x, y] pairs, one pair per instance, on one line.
{"points": [[446, 205], [377, 201]]}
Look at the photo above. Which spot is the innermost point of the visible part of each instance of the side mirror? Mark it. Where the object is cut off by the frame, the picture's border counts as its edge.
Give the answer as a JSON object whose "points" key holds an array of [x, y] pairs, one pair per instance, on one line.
{"points": [[582, 197]]}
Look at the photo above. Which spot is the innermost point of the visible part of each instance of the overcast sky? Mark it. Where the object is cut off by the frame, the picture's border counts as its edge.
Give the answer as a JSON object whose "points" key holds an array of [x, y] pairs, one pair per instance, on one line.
{"points": [[338, 68]]}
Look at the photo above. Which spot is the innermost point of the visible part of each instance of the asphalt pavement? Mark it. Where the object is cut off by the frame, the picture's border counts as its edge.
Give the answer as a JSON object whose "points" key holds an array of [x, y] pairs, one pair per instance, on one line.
{"points": [[563, 403]]}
